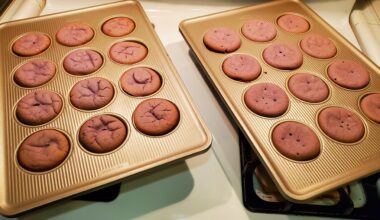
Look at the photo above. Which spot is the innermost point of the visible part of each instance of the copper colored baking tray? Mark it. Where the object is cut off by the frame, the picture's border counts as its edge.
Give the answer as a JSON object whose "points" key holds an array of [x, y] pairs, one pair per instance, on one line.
{"points": [[21, 190], [338, 163]]}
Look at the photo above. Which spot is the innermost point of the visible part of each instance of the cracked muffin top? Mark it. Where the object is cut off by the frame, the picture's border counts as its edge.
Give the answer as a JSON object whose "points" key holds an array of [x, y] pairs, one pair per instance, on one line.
{"points": [[38, 107], [140, 81], [74, 34], [82, 62], [156, 116], [102, 133], [35, 73], [92, 93], [43, 150], [128, 52]]}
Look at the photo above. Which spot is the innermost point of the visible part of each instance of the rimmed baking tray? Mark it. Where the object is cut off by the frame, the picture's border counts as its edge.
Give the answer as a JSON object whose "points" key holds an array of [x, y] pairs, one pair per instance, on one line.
{"points": [[21, 190], [337, 163]]}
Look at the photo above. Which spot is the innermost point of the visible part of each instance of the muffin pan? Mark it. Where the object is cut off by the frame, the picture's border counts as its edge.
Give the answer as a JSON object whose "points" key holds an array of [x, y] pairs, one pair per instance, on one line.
{"points": [[27, 185], [337, 163]]}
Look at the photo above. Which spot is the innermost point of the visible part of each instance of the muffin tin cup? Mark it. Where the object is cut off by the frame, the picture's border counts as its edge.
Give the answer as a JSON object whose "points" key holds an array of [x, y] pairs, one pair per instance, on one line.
{"points": [[15, 118], [68, 136], [162, 135], [128, 39], [115, 94], [73, 49], [257, 42], [338, 163], [278, 69], [365, 88], [123, 144], [312, 57], [100, 26], [306, 102], [361, 110], [146, 96], [22, 190], [291, 12], [75, 46], [35, 87], [10, 45], [235, 80], [337, 141], [262, 116], [287, 158]]}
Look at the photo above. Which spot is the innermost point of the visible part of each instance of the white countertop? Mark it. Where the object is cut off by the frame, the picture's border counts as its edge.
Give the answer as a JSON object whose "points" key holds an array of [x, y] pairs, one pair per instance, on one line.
{"points": [[204, 187]]}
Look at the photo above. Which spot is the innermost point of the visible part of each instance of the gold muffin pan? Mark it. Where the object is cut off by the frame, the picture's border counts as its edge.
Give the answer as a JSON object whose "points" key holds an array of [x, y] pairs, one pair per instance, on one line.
{"points": [[338, 163], [21, 190]]}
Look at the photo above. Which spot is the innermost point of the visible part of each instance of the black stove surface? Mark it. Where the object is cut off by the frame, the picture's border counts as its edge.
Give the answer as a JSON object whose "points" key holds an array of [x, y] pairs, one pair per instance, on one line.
{"points": [[344, 208]]}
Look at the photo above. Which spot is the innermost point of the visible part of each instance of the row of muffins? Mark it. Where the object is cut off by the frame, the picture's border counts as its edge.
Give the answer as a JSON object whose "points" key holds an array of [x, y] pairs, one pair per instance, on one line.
{"points": [[48, 148], [285, 56], [88, 94], [293, 139], [73, 34], [37, 72], [42, 106], [102, 133]]}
